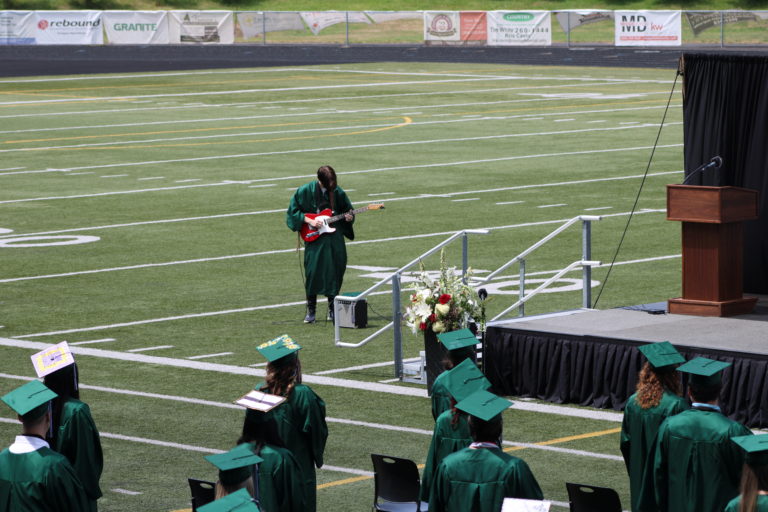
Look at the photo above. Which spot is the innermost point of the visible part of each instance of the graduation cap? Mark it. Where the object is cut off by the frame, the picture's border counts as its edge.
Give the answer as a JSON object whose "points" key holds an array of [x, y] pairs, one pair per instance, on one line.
{"points": [[756, 448], [30, 401], [52, 359], [483, 405], [240, 501], [464, 379], [661, 354], [456, 340], [278, 348], [235, 465], [704, 372]]}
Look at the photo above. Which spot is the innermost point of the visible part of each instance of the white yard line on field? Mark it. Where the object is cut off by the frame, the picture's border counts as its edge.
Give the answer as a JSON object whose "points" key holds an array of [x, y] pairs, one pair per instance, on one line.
{"points": [[89, 342], [207, 356], [147, 349], [286, 251], [362, 367], [117, 193]]}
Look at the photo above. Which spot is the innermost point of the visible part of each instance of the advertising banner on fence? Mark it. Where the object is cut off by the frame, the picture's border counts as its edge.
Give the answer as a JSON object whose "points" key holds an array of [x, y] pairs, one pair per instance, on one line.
{"points": [[384, 16], [16, 27], [569, 20], [317, 21], [514, 28], [254, 24], [441, 26], [648, 28], [136, 27], [201, 27], [67, 27], [473, 26], [701, 21]]}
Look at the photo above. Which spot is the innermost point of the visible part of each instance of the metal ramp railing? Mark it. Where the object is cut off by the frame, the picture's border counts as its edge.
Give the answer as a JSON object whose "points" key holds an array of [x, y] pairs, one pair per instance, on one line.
{"points": [[396, 279]]}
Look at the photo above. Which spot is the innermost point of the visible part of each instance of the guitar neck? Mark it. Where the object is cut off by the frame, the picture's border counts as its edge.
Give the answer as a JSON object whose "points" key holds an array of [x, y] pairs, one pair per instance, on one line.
{"points": [[353, 212]]}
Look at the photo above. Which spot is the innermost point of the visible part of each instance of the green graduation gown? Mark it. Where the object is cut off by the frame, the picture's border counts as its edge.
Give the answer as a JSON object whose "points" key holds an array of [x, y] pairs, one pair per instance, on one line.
{"points": [[446, 439], [301, 424], [478, 480], [325, 259], [696, 467], [441, 398], [78, 440], [279, 481], [762, 504], [39, 481], [638, 430]]}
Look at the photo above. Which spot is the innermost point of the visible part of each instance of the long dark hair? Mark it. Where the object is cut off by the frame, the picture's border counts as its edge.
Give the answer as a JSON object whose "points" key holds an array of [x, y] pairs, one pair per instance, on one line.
{"points": [[283, 375], [260, 430], [65, 383], [753, 479], [327, 178], [652, 382]]}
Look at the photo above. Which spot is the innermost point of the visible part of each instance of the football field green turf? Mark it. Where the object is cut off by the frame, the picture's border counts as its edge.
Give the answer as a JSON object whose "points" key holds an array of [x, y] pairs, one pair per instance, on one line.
{"points": [[142, 220]]}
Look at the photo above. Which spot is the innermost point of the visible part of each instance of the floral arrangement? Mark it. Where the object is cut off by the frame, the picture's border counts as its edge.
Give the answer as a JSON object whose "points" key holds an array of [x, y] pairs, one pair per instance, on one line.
{"points": [[442, 304]]}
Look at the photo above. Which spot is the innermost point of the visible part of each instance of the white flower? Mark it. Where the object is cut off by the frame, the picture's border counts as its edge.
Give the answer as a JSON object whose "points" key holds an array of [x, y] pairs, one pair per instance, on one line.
{"points": [[442, 309], [438, 327], [422, 311]]}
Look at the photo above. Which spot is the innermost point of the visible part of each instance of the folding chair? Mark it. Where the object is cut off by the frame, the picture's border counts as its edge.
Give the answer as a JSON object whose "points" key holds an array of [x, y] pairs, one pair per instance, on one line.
{"points": [[397, 485], [202, 492], [590, 498]]}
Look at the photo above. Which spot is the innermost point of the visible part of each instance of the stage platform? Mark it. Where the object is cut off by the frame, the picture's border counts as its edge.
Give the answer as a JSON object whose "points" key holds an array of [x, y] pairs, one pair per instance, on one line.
{"points": [[589, 357]]}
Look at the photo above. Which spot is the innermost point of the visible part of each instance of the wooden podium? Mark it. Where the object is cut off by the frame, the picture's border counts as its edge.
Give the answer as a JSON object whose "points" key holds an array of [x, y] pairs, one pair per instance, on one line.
{"points": [[712, 248]]}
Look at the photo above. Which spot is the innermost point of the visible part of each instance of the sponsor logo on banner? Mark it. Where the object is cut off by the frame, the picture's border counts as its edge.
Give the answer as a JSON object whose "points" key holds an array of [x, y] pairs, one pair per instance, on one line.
{"points": [[317, 21], [648, 28], [569, 20], [528, 28], [473, 26], [68, 27], [441, 26], [701, 21], [136, 27], [201, 27], [16, 27]]}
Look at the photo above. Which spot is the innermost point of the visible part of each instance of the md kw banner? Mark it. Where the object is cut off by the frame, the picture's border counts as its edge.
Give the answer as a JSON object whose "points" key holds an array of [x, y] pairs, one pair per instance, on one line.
{"points": [[136, 27], [201, 27], [67, 27], [528, 28], [16, 27], [317, 21], [648, 28]]}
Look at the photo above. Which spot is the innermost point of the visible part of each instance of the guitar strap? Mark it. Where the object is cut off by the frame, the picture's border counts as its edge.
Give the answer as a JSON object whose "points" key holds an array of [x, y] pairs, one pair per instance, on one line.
{"points": [[321, 202]]}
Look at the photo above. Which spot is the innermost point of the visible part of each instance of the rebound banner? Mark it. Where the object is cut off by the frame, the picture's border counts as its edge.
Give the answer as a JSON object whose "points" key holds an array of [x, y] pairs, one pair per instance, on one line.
{"points": [[67, 27], [648, 28], [570, 19], [136, 27], [519, 28], [16, 27], [201, 27], [317, 21]]}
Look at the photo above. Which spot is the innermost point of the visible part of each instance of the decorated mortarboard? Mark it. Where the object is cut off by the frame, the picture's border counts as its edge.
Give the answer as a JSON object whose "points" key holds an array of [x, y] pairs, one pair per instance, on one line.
{"points": [[278, 348], [704, 372], [455, 340], [240, 501], [484, 405], [756, 448], [260, 401], [464, 379], [30, 401], [52, 359], [235, 465], [661, 354]]}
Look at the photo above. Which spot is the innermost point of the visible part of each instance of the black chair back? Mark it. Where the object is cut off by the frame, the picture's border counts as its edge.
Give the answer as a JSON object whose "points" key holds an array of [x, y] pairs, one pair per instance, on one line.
{"points": [[202, 492], [590, 498], [397, 484]]}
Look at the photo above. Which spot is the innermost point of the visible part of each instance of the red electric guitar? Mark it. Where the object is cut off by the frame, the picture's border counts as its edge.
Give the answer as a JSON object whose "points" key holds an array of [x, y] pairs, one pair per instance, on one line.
{"points": [[310, 234]]}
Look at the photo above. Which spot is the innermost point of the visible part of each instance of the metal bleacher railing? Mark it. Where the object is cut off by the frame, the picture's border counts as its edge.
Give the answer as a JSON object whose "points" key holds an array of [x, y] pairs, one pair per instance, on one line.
{"points": [[395, 278]]}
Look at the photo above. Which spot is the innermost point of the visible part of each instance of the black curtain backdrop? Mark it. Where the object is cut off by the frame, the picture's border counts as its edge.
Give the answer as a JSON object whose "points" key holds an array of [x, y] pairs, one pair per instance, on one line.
{"points": [[725, 113], [602, 372]]}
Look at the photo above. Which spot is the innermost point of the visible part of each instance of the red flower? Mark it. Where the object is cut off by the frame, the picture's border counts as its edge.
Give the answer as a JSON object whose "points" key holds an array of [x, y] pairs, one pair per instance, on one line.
{"points": [[444, 299], [422, 326]]}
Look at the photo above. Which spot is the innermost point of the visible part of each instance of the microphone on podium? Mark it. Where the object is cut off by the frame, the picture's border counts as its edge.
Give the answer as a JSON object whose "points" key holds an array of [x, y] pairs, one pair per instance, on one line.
{"points": [[714, 163]]}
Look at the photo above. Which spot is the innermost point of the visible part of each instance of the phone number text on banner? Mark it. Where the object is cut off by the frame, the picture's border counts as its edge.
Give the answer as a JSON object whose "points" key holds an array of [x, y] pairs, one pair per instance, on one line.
{"points": [[648, 28], [529, 28]]}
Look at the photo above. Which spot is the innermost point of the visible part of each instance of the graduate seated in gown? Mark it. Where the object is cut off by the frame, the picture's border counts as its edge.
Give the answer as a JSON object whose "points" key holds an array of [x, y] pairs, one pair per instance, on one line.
{"points": [[695, 467], [479, 477], [451, 432], [461, 346], [32, 476], [754, 475]]}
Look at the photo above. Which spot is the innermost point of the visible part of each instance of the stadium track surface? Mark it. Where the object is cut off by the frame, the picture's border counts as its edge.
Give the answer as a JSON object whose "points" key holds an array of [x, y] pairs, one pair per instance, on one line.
{"points": [[76, 59]]}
